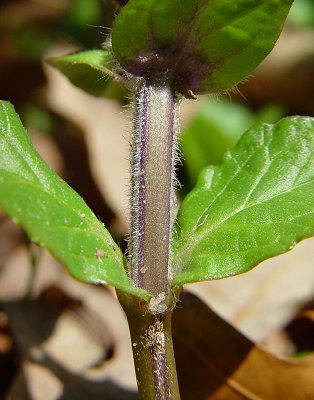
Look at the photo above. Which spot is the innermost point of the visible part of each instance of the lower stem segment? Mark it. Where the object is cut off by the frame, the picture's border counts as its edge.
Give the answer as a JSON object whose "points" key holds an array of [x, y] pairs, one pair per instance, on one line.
{"points": [[152, 350]]}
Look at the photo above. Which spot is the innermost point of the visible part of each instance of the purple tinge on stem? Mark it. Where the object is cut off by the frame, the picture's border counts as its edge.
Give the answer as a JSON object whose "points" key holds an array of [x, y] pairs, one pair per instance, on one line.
{"points": [[122, 2], [142, 188], [152, 189]]}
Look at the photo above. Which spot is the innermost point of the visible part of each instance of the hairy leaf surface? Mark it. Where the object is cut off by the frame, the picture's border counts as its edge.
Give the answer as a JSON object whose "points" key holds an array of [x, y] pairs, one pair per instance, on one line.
{"points": [[200, 45], [53, 214], [257, 204]]}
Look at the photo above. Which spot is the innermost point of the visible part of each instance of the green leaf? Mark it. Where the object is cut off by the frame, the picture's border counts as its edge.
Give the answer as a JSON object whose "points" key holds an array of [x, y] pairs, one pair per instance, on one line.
{"points": [[302, 14], [259, 203], [209, 134], [200, 45], [53, 214], [90, 70], [215, 128]]}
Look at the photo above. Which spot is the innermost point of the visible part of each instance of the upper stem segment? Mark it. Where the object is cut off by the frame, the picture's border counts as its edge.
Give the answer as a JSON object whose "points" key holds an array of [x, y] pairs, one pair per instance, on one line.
{"points": [[152, 187]]}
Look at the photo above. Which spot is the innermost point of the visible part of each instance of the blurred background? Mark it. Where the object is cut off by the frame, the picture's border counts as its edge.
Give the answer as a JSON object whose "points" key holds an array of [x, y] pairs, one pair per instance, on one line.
{"points": [[68, 334]]}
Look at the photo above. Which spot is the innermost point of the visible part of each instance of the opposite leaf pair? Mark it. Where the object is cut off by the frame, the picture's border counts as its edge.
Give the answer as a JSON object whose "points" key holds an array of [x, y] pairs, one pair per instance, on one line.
{"points": [[257, 204]]}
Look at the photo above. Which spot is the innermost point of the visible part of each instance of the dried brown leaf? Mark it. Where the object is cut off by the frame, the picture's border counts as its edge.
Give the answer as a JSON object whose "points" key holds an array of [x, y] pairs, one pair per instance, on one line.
{"points": [[215, 361]]}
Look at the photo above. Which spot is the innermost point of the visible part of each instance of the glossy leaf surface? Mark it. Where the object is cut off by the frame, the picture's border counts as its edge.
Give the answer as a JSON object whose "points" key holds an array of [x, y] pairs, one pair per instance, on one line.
{"points": [[90, 70], [200, 45], [53, 214], [257, 204]]}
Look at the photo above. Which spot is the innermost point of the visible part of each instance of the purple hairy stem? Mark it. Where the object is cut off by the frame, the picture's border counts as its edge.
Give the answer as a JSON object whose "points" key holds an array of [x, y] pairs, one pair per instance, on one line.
{"points": [[152, 187], [142, 190], [152, 198]]}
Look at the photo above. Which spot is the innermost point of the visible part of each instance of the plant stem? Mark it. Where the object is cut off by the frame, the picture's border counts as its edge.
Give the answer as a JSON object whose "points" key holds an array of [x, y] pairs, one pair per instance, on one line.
{"points": [[151, 223], [152, 188], [152, 350]]}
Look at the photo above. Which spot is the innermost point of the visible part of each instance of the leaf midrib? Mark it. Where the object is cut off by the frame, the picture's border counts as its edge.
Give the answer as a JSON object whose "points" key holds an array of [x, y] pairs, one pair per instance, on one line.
{"points": [[226, 184]]}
